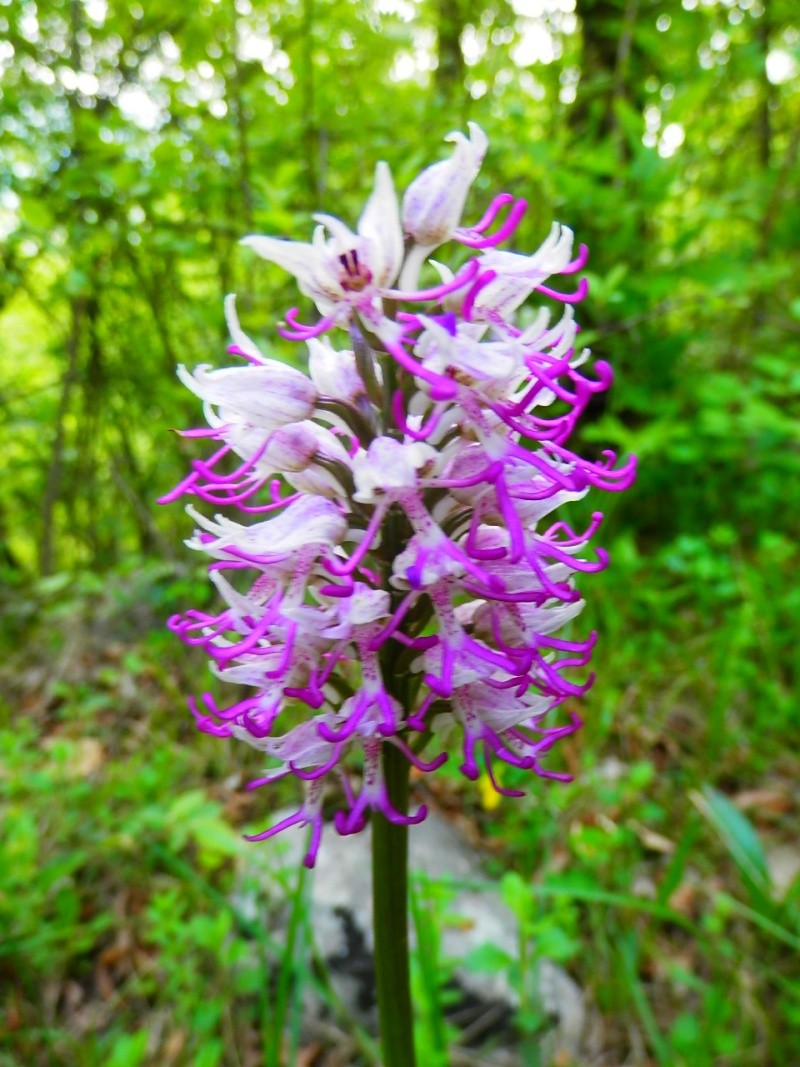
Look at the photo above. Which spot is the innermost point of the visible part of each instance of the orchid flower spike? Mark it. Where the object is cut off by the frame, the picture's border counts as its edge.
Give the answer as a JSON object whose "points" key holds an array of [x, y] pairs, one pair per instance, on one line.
{"points": [[388, 538]]}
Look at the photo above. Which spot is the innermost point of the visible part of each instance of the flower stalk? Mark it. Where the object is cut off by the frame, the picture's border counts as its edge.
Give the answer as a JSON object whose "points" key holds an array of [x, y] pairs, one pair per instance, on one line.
{"points": [[390, 918]]}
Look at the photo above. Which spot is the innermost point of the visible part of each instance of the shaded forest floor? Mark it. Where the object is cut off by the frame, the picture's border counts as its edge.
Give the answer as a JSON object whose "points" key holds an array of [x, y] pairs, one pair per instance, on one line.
{"points": [[664, 879]]}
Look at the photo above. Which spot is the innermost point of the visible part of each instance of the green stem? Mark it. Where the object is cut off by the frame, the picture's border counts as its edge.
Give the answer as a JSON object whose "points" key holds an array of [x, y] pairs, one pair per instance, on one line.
{"points": [[390, 917]]}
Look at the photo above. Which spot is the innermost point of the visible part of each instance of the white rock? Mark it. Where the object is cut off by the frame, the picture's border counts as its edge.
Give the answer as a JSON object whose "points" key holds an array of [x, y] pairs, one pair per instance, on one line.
{"points": [[340, 892]]}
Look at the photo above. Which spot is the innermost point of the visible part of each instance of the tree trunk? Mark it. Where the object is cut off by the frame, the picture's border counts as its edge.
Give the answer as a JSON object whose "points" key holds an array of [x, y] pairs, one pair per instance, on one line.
{"points": [[55, 468], [451, 19]]}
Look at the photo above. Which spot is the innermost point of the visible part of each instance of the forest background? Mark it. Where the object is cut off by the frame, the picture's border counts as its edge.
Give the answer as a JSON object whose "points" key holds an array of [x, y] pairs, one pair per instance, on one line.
{"points": [[138, 143]]}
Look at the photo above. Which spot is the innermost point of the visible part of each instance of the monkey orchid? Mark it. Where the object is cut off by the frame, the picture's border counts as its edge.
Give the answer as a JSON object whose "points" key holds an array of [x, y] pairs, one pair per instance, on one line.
{"points": [[397, 564]]}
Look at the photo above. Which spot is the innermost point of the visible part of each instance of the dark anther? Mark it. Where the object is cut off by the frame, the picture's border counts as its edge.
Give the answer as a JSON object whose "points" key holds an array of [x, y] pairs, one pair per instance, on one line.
{"points": [[349, 260]]}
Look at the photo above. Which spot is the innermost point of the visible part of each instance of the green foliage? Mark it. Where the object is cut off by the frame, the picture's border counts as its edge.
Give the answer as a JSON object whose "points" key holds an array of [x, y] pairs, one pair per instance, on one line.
{"points": [[431, 972]]}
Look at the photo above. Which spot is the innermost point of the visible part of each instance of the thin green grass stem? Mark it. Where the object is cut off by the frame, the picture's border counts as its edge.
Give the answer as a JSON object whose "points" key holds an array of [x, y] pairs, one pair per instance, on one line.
{"points": [[287, 973], [390, 918]]}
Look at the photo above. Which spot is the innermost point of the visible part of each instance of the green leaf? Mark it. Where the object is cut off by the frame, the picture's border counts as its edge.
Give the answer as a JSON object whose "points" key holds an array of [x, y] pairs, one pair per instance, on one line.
{"points": [[130, 1050], [215, 839], [209, 1055], [741, 841], [516, 894], [488, 959]]}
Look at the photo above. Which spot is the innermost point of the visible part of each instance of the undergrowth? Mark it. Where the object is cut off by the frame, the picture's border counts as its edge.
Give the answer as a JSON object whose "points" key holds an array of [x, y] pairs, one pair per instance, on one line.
{"points": [[663, 878]]}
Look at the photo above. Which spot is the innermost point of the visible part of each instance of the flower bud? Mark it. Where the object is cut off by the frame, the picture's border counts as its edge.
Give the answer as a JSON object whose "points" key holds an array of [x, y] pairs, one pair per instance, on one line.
{"points": [[267, 396], [334, 373], [388, 464], [434, 201], [291, 448]]}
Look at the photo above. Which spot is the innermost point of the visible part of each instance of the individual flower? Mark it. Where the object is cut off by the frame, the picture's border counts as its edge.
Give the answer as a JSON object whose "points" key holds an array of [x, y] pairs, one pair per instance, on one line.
{"points": [[434, 201], [345, 271]]}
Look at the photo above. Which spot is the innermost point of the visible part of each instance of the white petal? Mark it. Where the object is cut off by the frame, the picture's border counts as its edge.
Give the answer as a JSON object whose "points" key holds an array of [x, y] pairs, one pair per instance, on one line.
{"points": [[334, 373], [238, 336], [388, 465], [343, 236], [307, 521], [252, 670], [380, 225], [296, 257], [518, 276], [267, 396]]}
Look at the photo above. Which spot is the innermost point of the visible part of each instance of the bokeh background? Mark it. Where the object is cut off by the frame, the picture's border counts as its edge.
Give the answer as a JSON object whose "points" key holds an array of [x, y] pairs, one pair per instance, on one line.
{"points": [[138, 143]]}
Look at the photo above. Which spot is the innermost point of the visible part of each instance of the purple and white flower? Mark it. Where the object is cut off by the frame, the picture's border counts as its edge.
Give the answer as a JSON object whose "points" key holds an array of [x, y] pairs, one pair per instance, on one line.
{"points": [[434, 202]]}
